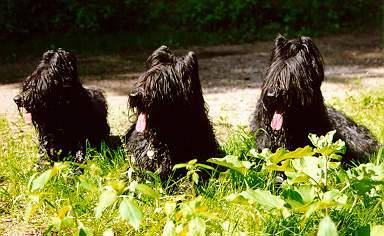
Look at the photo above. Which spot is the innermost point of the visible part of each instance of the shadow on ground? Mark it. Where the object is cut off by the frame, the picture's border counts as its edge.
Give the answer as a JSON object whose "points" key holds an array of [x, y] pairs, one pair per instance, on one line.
{"points": [[231, 75]]}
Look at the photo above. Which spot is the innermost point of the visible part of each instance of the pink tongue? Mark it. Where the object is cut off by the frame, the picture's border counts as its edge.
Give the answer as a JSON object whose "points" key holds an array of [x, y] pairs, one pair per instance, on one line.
{"points": [[277, 121], [141, 122], [28, 118]]}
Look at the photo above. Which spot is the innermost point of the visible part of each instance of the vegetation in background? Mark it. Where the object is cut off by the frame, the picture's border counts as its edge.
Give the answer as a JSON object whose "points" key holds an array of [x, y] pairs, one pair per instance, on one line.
{"points": [[241, 195], [28, 27]]}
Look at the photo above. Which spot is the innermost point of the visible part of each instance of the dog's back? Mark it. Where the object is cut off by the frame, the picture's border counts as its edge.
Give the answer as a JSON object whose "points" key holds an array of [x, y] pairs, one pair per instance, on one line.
{"points": [[359, 140], [99, 128]]}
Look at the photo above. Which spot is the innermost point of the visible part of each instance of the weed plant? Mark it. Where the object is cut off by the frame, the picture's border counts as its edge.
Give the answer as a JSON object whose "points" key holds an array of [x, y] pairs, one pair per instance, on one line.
{"points": [[242, 194]]}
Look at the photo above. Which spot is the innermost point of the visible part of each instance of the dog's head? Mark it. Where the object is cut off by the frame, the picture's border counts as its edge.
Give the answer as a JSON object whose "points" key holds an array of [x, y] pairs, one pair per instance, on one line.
{"points": [[50, 84], [169, 88], [293, 78]]}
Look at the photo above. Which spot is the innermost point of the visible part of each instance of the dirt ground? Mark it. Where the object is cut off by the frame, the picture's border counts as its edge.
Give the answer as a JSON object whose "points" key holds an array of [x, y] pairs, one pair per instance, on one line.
{"points": [[231, 76]]}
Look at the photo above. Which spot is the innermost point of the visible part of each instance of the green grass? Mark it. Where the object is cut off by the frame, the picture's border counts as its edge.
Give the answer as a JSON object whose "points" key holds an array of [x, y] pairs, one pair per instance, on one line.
{"points": [[239, 199], [367, 109]]}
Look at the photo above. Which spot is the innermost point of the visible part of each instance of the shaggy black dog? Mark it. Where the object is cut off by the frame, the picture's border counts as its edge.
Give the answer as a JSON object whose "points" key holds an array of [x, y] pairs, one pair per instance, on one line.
{"points": [[172, 124], [64, 113], [291, 104]]}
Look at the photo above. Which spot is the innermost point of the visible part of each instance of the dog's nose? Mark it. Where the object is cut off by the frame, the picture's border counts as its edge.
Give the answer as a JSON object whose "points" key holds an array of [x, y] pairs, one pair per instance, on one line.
{"points": [[17, 100]]}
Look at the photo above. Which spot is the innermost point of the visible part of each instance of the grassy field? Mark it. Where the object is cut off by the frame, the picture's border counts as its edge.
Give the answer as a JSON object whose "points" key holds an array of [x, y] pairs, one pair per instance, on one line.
{"points": [[242, 197]]}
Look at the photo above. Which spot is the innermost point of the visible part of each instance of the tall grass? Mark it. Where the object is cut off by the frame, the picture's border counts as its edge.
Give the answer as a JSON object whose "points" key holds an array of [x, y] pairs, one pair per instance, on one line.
{"points": [[245, 197]]}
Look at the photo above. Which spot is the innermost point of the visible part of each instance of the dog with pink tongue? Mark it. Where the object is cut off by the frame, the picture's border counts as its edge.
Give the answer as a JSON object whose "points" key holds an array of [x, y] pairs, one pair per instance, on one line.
{"points": [[291, 104], [172, 125]]}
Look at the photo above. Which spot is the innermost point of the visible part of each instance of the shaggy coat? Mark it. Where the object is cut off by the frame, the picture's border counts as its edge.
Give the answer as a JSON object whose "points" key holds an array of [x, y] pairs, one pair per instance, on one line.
{"points": [[172, 124], [64, 113], [291, 104]]}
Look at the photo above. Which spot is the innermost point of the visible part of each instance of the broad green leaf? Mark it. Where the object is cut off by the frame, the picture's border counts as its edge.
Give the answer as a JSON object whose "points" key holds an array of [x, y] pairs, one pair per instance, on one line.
{"points": [[332, 149], [189, 208], [377, 230], [107, 198], [205, 166], [363, 231], [326, 146], [31, 208], [85, 232], [68, 221], [293, 198], [281, 154], [327, 227], [42, 180], [117, 185], [87, 185], [196, 227], [132, 186], [308, 193], [63, 211], [55, 221], [301, 199], [108, 232], [179, 166], [169, 229], [170, 208], [284, 166], [334, 196], [326, 203], [195, 177], [365, 177], [132, 214], [232, 162], [58, 166], [296, 177], [265, 154], [262, 197], [322, 141], [192, 162], [31, 180], [310, 166], [147, 191]]}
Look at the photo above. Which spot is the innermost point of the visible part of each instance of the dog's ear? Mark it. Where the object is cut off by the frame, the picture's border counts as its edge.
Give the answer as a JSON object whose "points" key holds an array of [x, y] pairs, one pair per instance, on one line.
{"points": [[48, 55], [280, 40], [191, 59], [162, 55], [163, 48], [305, 40], [189, 66]]}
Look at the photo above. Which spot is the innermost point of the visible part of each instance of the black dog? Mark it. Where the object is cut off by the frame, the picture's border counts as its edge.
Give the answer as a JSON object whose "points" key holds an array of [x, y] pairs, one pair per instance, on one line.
{"points": [[64, 113], [172, 124], [291, 104]]}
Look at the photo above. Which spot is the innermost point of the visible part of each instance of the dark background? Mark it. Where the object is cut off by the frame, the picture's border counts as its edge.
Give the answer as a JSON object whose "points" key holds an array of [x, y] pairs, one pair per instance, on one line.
{"points": [[30, 27]]}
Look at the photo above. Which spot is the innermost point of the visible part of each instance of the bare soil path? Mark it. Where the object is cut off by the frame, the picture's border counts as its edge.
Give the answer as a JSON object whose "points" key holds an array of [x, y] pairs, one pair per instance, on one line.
{"points": [[231, 76]]}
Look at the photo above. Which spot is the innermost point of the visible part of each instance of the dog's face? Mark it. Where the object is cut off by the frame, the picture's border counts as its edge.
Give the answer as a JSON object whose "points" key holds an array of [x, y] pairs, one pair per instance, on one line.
{"points": [[294, 75], [170, 85], [49, 84]]}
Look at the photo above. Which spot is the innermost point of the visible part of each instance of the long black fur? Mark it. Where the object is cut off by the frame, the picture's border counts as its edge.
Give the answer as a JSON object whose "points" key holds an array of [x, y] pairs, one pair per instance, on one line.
{"points": [[292, 88], [64, 113], [177, 127]]}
